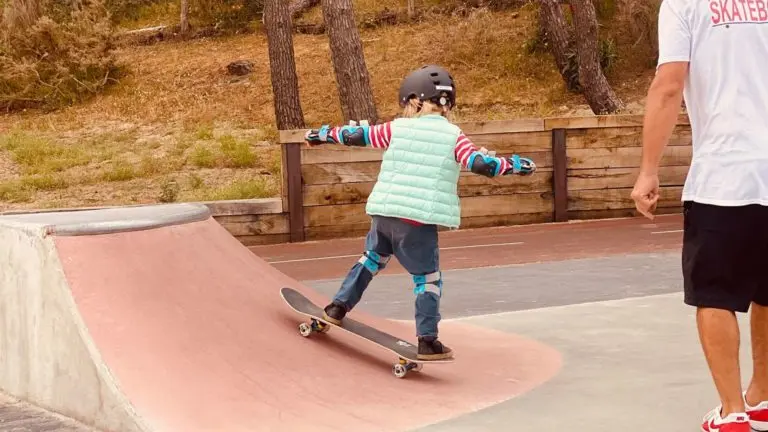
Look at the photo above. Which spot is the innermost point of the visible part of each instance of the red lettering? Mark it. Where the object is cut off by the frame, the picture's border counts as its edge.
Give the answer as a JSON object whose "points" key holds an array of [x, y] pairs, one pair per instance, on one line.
{"points": [[715, 12], [752, 10], [724, 11], [735, 11], [762, 11]]}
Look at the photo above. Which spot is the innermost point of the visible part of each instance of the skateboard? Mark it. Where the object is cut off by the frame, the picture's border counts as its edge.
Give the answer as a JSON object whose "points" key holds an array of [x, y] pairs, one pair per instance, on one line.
{"points": [[405, 351]]}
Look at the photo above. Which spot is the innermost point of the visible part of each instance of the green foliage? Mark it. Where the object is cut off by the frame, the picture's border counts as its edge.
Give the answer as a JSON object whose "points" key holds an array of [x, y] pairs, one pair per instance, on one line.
{"points": [[39, 156], [54, 53], [169, 192], [239, 189]]}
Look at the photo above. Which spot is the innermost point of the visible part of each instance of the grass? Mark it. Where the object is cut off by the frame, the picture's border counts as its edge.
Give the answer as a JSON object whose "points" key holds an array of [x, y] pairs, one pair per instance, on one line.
{"points": [[177, 127], [238, 189]]}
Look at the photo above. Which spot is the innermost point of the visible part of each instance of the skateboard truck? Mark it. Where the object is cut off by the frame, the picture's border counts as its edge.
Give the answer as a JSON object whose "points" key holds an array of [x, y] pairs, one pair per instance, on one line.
{"points": [[315, 326], [399, 369]]}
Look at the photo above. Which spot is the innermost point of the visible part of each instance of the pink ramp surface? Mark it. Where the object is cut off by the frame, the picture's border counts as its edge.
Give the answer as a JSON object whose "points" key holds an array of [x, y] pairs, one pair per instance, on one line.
{"points": [[192, 325]]}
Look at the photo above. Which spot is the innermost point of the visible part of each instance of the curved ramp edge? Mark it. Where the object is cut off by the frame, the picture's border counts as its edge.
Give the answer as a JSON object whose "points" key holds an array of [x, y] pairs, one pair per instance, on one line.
{"points": [[192, 324], [46, 354]]}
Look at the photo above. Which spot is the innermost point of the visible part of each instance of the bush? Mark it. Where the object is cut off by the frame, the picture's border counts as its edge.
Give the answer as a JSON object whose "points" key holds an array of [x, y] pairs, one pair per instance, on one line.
{"points": [[54, 53]]}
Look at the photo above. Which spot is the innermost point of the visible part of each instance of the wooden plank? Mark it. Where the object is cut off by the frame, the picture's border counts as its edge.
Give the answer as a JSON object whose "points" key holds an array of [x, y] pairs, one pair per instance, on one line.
{"points": [[613, 199], [332, 173], [520, 125], [502, 126], [267, 224], [624, 157], [507, 143], [470, 207], [360, 229], [268, 239], [360, 172], [621, 137], [295, 208], [593, 122], [469, 185], [604, 121], [475, 128], [560, 176], [245, 207], [612, 178], [502, 144], [339, 154], [335, 194], [505, 220]]}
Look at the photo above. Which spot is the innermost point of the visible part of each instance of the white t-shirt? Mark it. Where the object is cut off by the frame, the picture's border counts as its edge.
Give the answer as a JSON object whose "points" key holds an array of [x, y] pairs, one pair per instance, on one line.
{"points": [[726, 94]]}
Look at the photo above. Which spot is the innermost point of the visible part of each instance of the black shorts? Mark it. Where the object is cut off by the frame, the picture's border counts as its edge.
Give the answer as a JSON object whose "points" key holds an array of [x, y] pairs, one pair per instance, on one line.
{"points": [[725, 256]]}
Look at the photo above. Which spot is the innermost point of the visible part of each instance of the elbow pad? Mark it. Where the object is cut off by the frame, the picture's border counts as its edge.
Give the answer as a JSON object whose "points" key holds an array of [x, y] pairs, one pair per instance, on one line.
{"points": [[483, 164], [355, 136]]}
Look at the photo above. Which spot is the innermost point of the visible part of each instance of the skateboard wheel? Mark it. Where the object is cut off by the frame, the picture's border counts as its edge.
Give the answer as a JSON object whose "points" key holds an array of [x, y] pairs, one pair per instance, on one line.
{"points": [[305, 329], [399, 370], [417, 367]]}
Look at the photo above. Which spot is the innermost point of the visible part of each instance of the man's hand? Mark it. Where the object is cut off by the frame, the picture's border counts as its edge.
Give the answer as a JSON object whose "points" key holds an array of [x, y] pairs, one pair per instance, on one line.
{"points": [[661, 110], [646, 194]]}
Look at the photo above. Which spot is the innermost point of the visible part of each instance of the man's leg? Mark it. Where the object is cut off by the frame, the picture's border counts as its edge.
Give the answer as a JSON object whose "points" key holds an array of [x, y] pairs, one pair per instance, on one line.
{"points": [[757, 391], [378, 250], [716, 278], [719, 335]]}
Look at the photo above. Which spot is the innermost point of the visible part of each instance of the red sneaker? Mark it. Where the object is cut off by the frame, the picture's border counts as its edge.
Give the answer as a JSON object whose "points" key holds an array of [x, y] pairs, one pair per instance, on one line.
{"points": [[734, 422], [758, 416]]}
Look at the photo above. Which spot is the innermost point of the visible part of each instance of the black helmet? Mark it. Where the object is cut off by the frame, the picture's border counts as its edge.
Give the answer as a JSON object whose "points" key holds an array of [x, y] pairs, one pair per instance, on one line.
{"points": [[428, 84]]}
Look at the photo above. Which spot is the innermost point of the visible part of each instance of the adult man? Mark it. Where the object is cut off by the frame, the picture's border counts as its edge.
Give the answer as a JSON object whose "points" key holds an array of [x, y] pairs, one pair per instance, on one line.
{"points": [[715, 52]]}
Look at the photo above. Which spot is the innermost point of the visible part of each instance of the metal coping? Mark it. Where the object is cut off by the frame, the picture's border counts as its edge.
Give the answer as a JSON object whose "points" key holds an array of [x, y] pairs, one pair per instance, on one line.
{"points": [[111, 220]]}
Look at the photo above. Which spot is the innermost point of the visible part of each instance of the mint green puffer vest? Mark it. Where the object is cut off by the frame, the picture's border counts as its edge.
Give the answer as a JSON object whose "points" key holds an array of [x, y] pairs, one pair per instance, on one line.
{"points": [[419, 173]]}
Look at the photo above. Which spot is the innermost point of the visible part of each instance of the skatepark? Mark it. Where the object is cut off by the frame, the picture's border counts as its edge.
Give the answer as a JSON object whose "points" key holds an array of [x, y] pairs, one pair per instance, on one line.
{"points": [[157, 319]]}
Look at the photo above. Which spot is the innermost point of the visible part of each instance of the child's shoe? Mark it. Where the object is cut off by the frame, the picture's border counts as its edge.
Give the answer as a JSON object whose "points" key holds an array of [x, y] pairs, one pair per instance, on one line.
{"points": [[432, 349], [334, 313], [736, 422]]}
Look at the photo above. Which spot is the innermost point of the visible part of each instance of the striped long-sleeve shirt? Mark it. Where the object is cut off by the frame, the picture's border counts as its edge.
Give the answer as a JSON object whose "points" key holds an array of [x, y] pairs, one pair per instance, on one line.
{"points": [[380, 135]]}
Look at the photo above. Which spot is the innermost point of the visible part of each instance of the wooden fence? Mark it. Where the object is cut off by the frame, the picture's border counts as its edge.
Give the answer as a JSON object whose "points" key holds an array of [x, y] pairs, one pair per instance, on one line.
{"points": [[587, 168]]}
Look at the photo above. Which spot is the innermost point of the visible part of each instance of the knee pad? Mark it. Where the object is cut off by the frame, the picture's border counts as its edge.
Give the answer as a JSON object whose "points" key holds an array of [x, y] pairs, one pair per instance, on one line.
{"points": [[432, 282], [373, 261]]}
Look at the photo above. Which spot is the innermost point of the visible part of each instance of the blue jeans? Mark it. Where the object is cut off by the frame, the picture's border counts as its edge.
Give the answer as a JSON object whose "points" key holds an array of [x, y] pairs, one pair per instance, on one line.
{"points": [[415, 247]]}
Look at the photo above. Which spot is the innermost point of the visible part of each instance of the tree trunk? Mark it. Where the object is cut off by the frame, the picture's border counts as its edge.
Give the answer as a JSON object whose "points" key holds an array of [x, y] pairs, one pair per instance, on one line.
{"points": [[411, 8], [282, 65], [184, 20], [597, 91], [298, 7], [558, 37], [352, 79]]}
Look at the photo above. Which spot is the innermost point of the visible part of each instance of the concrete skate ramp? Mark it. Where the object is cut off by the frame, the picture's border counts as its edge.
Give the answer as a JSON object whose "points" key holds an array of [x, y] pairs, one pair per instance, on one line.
{"points": [[156, 319]]}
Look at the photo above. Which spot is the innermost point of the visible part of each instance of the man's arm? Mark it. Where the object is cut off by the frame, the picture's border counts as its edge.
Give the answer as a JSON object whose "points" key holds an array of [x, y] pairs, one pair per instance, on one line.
{"points": [[664, 97], [661, 111]]}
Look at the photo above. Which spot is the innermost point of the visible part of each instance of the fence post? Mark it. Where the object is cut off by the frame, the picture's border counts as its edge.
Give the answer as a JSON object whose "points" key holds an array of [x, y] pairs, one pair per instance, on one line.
{"points": [[294, 192], [560, 175]]}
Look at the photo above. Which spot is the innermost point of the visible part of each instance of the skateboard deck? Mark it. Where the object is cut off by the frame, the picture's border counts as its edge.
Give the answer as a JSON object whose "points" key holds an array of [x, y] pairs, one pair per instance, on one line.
{"points": [[406, 351]]}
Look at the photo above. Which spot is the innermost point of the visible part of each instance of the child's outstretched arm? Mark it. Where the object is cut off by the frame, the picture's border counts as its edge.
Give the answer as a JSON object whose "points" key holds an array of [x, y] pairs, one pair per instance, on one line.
{"points": [[485, 164], [377, 136]]}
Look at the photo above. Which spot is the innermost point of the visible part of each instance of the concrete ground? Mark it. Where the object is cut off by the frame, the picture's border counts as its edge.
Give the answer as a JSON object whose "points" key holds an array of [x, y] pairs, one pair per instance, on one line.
{"points": [[613, 309], [630, 347]]}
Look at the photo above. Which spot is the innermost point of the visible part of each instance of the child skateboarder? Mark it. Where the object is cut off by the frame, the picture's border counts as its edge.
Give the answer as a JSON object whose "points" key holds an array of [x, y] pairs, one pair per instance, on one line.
{"points": [[416, 192]]}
